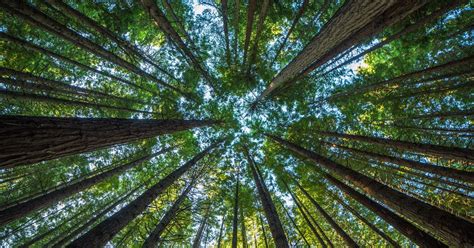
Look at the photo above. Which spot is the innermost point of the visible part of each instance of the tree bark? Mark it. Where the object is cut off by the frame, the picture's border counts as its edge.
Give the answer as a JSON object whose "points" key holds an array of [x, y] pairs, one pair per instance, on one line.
{"points": [[260, 25], [35, 17], [23, 209], [197, 239], [354, 22], [248, 31], [235, 219], [236, 31], [450, 228], [347, 239], [294, 223], [465, 176], [264, 233], [158, 16], [107, 229], [221, 231], [225, 21], [457, 153], [155, 236], [276, 228], [33, 47]]}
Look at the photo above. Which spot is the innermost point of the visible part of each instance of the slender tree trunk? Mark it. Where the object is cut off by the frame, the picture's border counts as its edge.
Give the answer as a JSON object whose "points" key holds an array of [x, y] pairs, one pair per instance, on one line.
{"points": [[294, 224], [236, 31], [35, 17], [248, 31], [263, 14], [107, 229], [420, 23], [224, 8], [457, 153], [23, 209], [354, 22], [197, 239], [454, 114], [33, 47], [276, 228], [235, 218], [304, 213], [158, 16], [292, 27], [155, 236], [243, 230], [28, 139], [347, 239], [264, 233], [450, 228], [221, 231], [466, 176]]}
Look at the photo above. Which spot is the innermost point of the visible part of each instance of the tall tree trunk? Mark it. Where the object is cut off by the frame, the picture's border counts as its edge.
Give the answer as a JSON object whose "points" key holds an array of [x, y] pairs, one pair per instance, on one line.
{"points": [[264, 233], [125, 45], [243, 230], [466, 176], [224, 8], [29, 139], [235, 218], [221, 231], [457, 153], [107, 229], [261, 21], [365, 221], [347, 239], [305, 216], [419, 24], [294, 223], [158, 16], [354, 22], [155, 236], [33, 47], [24, 208], [236, 31], [35, 17], [197, 239], [276, 228], [248, 31], [450, 228]]}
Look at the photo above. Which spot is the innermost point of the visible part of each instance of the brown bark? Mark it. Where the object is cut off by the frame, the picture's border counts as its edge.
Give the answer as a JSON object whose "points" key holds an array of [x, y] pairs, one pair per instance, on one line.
{"points": [[235, 219], [24, 208], [260, 25], [33, 47], [436, 150], [225, 20], [236, 31], [354, 22], [107, 229], [155, 236], [297, 18], [27, 139], [347, 239], [466, 176], [125, 45], [35, 17], [305, 217], [158, 16], [276, 228], [450, 228], [248, 31]]}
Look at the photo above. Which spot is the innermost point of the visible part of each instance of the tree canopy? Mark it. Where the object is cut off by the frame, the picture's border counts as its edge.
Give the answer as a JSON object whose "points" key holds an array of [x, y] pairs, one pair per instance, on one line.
{"points": [[232, 123]]}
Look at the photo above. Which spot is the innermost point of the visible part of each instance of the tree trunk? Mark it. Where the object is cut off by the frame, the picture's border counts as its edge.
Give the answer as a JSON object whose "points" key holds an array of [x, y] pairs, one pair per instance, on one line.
{"points": [[235, 219], [35, 17], [236, 31], [24, 208], [28, 139], [221, 231], [107, 229], [292, 27], [197, 239], [276, 228], [243, 231], [450, 228], [224, 8], [155, 236], [155, 12], [264, 233], [466, 176], [457, 153], [347, 239], [294, 224], [248, 31], [33, 47], [260, 25], [354, 22], [305, 217]]}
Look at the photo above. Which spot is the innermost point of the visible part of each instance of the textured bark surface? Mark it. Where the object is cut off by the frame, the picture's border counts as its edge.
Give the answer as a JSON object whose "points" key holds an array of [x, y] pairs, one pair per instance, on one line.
{"points": [[355, 21], [155, 236], [436, 150], [466, 176], [451, 229], [23, 209], [39, 19], [107, 229], [27, 139], [347, 239], [248, 31], [276, 228], [160, 19]]}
